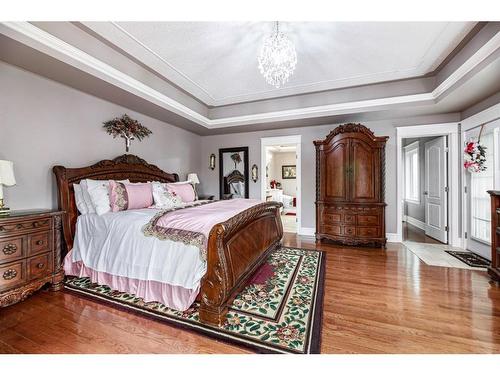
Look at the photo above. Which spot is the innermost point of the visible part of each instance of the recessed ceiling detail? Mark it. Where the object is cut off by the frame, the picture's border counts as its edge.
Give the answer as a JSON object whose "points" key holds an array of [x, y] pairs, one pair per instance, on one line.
{"points": [[216, 61]]}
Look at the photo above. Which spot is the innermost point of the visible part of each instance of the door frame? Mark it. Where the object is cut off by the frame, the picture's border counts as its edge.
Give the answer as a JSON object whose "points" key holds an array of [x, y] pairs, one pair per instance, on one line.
{"points": [[451, 130], [289, 140], [481, 118]]}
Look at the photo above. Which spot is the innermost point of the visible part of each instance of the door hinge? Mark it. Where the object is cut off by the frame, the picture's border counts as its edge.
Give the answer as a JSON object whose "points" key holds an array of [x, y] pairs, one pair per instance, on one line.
{"points": [[446, 228], [446, 149], [465, 189], [446, 189], [465, 235]]}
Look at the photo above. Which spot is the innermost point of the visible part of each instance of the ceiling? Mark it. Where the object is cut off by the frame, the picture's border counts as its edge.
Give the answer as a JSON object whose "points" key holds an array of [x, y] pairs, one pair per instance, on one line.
{"points": [[280, 149], [203, 76], [217, 61]]}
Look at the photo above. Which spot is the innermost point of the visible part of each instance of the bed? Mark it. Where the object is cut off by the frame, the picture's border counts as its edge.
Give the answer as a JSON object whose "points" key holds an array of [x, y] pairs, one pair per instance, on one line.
{"points": [[233, 251]]}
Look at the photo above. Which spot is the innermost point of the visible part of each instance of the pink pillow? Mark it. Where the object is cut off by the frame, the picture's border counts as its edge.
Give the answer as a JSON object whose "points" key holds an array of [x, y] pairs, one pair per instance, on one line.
{"points": [[139, 195], [183, 190], [130, 196]]}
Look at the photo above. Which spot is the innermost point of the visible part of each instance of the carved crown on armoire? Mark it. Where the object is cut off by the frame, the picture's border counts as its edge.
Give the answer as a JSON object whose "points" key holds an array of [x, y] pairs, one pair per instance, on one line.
{"points": [[350, 184]]}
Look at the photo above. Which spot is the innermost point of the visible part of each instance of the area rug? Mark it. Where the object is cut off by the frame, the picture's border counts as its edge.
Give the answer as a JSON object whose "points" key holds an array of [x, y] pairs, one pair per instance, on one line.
{"points": [[279, 311], [471, 259]]}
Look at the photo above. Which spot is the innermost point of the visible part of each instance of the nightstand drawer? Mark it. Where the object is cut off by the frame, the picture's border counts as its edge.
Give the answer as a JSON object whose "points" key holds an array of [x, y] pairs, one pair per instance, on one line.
{"points": [[12, 274], [11, 249], [38, 243], [40, 265], [25, 226]]}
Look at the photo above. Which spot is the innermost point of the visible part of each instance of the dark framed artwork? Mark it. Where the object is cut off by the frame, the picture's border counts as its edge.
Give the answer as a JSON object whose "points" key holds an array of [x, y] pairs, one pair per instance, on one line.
{"points": [[288, 172], [233, 173]]}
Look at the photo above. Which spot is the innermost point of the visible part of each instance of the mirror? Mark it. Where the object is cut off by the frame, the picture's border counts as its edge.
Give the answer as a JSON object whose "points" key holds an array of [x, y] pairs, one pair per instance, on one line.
{"points": [[233, 172]]}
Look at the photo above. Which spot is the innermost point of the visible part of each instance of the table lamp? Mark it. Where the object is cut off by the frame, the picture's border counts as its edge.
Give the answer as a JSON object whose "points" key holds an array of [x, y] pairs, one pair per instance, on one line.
{"points": [[6, 178], [193, 178]]}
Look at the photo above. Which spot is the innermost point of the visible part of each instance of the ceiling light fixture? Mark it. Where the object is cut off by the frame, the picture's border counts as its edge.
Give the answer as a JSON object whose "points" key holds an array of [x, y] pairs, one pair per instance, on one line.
{"points": [[277, 58]]}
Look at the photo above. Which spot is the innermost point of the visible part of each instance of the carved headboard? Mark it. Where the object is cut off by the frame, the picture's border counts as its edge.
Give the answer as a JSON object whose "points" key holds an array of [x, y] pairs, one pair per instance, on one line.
{"points": [[234, 176], [126, 166]]}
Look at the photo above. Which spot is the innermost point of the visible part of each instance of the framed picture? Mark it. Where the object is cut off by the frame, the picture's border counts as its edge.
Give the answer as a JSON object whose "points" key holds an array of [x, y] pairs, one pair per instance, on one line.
{"points": [[288, 172]]}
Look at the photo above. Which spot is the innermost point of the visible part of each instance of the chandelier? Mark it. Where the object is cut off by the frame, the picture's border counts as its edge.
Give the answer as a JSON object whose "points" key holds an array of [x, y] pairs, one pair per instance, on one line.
{"points": [[277, 58]]}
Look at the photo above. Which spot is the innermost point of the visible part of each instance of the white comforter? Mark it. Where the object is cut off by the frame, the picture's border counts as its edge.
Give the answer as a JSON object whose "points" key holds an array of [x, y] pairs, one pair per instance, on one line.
{"points": [[114, 243]]}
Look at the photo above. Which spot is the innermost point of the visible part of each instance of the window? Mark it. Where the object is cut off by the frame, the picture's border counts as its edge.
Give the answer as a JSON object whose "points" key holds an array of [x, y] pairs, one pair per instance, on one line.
{"points": [[412, 173], [479, 198]]}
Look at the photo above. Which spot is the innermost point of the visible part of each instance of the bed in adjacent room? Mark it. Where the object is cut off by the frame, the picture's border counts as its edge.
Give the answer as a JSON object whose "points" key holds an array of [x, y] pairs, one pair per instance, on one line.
{"points": [[174, 253]]}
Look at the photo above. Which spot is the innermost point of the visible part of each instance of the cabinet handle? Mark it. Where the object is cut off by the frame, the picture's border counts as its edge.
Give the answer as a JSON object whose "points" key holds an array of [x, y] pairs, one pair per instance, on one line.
{"points": [[40, 265], [9, 249], [39, 242], [9, 274]]}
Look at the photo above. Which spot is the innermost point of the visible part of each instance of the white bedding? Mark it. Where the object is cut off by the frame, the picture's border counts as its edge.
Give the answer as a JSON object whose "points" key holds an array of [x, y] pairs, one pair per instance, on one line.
{"points": [[114, 243]]}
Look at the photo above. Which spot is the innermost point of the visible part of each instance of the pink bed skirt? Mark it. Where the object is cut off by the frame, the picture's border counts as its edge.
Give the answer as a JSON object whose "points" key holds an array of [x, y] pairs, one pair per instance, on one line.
{"points": [[175, 297]]}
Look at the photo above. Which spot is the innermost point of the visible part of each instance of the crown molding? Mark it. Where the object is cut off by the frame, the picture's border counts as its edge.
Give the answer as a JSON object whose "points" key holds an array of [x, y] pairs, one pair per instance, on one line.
{"points": [[32, 36]]}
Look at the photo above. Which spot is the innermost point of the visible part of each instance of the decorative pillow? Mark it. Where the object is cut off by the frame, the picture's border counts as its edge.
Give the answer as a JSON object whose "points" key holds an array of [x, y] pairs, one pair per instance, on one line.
{"points": [[118, 199], [183, 190], [163, 198], [99, 194], [139, 195], [86, 197], [80, 203], [125, 196]]}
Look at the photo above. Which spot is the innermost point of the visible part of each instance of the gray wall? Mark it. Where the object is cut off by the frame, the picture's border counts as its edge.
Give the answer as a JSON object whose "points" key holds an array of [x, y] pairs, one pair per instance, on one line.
{"points": [[417, 211], [44, 123], [211, 144]]}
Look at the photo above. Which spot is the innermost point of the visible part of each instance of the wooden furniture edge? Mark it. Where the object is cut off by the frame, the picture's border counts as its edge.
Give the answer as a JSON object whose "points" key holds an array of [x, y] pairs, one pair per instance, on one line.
{"points": [[220, 284]]}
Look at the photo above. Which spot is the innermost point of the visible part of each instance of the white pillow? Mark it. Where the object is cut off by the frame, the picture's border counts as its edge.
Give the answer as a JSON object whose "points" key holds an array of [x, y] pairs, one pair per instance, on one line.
{"points": [[163, 199], [86, 197], [98, 191], [80, 203]]}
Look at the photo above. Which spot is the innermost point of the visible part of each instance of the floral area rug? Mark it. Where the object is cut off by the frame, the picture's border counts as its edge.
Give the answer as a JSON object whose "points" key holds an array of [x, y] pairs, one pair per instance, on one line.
{"points": [[279, 311]]}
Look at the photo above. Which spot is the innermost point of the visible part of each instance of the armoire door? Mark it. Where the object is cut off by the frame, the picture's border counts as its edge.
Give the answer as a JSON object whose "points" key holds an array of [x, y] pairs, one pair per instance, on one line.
{"points": [[364, 172], [335, 169]]}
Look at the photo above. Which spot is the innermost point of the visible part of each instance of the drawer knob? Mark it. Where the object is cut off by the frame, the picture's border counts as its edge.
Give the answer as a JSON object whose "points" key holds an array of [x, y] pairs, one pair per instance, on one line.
{"points": [[40, 265], [9, 274], [9, 249], [39, 242]]}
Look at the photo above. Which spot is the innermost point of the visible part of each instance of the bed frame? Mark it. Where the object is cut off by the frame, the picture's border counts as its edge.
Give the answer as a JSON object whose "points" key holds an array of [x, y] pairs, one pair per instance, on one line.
{"points": [[236, 247]]}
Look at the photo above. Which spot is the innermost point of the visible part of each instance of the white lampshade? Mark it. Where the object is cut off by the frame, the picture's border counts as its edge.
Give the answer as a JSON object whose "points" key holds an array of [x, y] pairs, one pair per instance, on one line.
{"points": [[193, 178], [7, 173]]}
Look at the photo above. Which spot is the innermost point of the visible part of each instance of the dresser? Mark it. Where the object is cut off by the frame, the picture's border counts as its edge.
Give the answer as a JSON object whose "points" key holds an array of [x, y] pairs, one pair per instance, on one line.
{"points": [[350, 168], [30, 254], [494, 268]]}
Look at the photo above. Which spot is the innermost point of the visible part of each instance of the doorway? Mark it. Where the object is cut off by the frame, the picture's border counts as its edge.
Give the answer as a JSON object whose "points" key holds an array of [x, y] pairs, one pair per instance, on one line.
{"points": [[281, 178], [426, 187]]}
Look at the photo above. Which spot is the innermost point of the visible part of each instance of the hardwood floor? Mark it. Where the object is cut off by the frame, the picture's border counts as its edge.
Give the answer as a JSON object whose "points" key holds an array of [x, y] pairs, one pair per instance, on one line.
{"points": [[415, 234], [376, 301]]}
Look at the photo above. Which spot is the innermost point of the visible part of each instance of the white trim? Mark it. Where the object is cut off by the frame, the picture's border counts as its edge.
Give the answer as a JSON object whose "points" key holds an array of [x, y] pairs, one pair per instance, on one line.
{"points": [[304, 231], [290, 140], [451, 130], [488, 115], [394, 237], [415, 222], [36, 38]]}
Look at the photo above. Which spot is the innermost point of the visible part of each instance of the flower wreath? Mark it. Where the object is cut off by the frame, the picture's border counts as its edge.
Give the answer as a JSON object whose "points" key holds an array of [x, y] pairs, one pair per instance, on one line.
{"points": [[475, 155]]}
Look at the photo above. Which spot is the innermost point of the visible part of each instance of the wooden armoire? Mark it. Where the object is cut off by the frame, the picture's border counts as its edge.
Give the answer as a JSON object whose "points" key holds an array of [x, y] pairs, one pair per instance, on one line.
{"points": [[350, 168]]}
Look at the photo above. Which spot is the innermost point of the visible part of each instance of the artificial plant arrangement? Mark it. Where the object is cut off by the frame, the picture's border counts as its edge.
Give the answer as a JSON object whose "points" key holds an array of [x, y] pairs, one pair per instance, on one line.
{"points": [[126, 128], [236, 157], [475, 155]]}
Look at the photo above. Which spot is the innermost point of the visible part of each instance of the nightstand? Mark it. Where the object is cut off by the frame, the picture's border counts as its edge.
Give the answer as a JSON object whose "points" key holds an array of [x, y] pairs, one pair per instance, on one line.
{"points": [[206, 197], [30, 254]]}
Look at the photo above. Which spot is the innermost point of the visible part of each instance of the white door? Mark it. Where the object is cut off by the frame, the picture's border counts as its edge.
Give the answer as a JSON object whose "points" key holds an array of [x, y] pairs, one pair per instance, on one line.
{"points": [[435, 194]]}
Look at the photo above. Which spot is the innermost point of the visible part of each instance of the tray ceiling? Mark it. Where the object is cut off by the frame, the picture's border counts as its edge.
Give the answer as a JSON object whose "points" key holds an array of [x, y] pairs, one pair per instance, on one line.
{"points": [[217, 61]]}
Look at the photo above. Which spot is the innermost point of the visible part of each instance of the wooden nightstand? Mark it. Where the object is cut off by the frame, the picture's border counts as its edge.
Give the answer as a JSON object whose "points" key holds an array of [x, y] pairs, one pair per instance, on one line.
{"points": [[30, 254]]}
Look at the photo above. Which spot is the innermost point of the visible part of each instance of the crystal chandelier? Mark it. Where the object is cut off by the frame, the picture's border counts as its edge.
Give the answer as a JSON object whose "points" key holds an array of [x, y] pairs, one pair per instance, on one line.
{"points": [[277, 58]]}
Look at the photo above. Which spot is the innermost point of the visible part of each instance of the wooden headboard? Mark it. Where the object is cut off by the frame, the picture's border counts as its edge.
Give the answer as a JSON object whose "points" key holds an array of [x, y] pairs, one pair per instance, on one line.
{"points": [[126, 166]]}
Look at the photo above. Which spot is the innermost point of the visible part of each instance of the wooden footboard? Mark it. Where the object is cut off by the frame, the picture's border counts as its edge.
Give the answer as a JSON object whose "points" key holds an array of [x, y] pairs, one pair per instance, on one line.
{"points": [[236, 248]]}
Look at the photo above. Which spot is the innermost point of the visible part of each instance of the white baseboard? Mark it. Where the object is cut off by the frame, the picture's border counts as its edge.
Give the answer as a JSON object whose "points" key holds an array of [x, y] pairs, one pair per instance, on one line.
{"points": [[415, 222], [394, 237], [304, 231]]}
